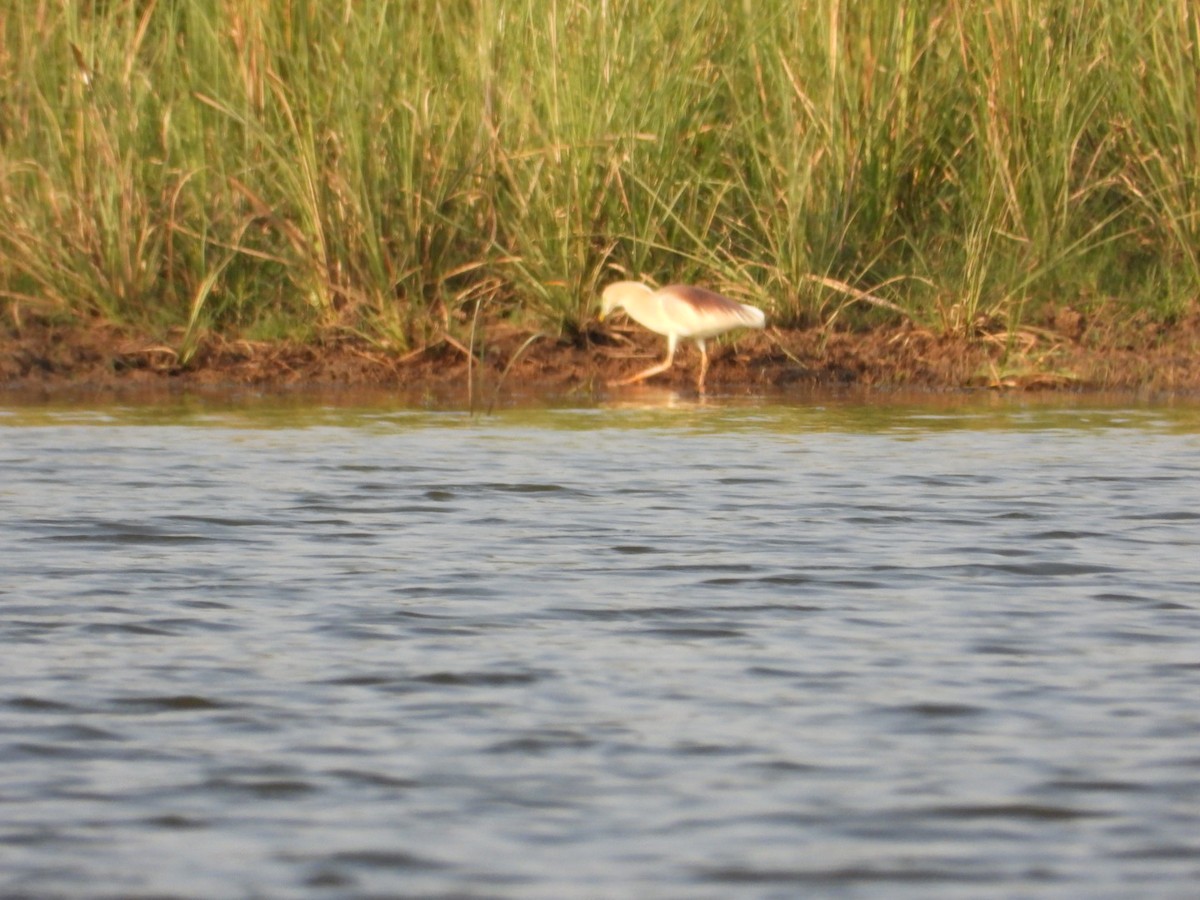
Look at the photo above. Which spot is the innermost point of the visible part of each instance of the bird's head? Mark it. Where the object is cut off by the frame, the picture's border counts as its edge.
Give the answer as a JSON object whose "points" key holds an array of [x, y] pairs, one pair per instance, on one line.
{"points": [[615, 295]]}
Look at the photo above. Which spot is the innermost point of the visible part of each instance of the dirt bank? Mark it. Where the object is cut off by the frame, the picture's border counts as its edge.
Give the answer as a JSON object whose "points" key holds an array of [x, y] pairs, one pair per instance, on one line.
{"points": [[1066, 351]]}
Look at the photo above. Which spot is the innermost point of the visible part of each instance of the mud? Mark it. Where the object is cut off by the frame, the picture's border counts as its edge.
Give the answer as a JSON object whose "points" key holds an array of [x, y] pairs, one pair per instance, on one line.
{"points": [[1065, 351]]}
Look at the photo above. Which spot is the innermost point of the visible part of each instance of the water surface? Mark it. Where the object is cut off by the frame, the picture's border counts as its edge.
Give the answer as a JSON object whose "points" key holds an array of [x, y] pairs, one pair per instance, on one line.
{"points": [[747, 650]]}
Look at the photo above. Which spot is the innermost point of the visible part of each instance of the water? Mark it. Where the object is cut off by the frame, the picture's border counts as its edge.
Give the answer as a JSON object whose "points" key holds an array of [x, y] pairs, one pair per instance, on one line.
{"points": [[753, 651]]}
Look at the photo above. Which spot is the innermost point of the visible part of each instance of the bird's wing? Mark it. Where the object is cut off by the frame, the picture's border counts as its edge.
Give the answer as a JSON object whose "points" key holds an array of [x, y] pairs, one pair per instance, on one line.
{"points": [[698, 311]]}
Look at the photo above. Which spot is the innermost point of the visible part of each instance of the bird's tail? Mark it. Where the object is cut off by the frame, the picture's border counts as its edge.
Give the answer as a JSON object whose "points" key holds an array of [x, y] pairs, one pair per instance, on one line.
{"points": [[754, 317]]}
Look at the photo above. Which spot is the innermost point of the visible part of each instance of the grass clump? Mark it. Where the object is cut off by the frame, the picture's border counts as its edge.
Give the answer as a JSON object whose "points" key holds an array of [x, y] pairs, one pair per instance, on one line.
{"points": [[394, 168]]}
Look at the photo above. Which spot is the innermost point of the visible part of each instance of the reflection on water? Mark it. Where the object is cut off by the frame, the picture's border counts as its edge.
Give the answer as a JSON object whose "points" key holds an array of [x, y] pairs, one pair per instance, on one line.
{"points": [[710, 650]]}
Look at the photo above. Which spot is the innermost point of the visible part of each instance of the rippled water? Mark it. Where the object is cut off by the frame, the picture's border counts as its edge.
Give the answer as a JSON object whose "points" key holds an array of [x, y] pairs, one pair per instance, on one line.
{"points": [[748, 651]]}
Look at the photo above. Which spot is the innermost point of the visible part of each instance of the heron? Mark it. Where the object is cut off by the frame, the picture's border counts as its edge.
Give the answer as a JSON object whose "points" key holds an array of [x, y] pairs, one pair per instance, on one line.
{"points": [[679, 311]]}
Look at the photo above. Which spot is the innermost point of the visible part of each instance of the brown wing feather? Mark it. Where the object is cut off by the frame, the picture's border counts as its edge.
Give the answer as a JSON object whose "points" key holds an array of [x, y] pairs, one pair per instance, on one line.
{"points": [[702, 298], [708, 312]]}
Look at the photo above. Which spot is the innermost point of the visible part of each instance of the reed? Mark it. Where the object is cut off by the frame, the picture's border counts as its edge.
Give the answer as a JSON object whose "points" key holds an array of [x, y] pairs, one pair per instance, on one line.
{"points": [[392, 168]]}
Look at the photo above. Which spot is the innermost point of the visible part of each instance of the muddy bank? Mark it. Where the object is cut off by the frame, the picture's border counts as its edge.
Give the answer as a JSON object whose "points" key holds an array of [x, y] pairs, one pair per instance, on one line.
{"points": [[1067, 351]]}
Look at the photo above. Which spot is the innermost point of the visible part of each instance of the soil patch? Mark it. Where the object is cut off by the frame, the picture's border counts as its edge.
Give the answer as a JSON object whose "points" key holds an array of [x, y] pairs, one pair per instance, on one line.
{"points": [[1067, 351]]}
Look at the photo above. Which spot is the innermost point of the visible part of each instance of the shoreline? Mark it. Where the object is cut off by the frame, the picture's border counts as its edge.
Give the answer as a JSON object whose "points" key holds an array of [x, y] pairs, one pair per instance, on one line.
{"points": [[1066, 355]]}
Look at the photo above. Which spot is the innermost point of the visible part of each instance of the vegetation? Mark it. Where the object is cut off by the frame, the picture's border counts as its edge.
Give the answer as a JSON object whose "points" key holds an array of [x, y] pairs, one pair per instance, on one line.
{"points": [[282, 168]]}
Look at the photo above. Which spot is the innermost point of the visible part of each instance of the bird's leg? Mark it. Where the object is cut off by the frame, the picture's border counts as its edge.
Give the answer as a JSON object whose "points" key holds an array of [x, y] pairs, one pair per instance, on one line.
{"points": [[654, 370], [703, 365]]}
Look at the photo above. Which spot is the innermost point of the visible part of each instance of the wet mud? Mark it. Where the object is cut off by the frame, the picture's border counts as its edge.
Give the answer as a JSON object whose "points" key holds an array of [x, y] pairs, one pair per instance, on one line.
{"points": [[1066, 351]]}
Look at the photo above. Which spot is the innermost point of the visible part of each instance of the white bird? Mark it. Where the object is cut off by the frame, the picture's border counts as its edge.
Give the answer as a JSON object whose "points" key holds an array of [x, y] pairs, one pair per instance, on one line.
{"points": [[679, 311]]}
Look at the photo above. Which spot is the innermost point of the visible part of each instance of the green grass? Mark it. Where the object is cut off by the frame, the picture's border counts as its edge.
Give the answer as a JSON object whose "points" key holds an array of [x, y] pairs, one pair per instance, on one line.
{"points": [[261, 168]]}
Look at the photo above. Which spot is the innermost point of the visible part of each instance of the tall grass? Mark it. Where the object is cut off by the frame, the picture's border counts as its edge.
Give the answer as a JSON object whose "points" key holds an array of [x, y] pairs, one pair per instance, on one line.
{"points": [[392, 168]]}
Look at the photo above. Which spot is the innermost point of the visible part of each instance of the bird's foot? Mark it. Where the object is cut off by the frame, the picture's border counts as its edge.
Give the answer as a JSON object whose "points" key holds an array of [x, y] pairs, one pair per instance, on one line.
{"points": [[624, 382]]}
